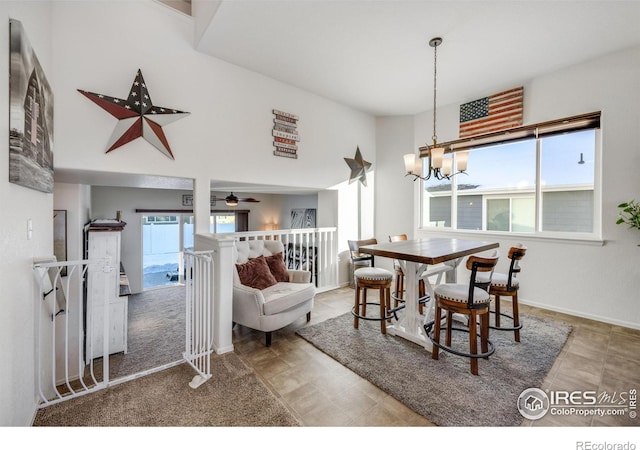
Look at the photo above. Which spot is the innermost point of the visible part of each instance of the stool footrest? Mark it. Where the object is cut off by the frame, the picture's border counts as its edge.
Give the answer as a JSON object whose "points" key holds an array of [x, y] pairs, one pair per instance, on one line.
{"points": [[424, 299], [514, 328], [359, 316], [429, 329]]}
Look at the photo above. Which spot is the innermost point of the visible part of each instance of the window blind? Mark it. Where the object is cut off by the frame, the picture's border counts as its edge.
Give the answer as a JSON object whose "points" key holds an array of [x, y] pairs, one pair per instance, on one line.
{"points": [[543, 129]]}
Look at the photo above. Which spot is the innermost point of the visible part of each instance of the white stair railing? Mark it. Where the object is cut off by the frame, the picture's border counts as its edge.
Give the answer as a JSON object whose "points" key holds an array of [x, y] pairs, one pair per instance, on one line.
{"points": [[199, 280], [312, 249]]}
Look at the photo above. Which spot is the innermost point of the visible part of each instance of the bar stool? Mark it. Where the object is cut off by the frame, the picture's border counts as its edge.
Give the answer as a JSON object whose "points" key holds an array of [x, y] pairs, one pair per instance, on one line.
{"points": [[507, 285], [360, 259], [471, 300], [372, 278]]}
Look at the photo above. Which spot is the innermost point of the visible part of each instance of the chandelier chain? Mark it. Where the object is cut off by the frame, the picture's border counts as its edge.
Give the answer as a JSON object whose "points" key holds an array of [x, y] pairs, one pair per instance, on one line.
{"points": [[435, 73]]}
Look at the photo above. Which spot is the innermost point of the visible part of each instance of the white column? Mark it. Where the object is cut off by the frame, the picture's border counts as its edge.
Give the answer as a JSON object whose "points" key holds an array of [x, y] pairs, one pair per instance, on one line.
{"points": [[202, 204], [223, 295]]}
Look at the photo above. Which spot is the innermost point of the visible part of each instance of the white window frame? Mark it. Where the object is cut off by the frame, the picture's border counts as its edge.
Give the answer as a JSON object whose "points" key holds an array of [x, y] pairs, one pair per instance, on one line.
{"points": [[212, 221], [595, 237]]}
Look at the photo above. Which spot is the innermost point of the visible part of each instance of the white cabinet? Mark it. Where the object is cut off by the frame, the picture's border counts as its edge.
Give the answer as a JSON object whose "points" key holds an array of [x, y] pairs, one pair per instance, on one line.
{"points": [[103, 288]]}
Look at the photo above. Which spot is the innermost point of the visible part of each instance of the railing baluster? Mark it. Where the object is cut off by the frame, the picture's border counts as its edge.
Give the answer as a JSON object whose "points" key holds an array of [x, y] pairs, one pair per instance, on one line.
{"points": [[317, 245]]}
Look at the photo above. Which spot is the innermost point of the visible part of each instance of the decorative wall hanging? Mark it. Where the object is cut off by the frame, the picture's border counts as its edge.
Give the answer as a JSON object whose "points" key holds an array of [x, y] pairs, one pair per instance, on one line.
{"points": [[187, 200], [30, 116], [137, 117], [359, 168], [303, 218], [497, 112], [285, 134]]}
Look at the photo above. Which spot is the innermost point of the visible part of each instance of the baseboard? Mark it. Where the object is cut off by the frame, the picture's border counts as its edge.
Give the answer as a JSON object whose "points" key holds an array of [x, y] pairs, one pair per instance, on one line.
{"points": [[221, 350], [571, 312]]}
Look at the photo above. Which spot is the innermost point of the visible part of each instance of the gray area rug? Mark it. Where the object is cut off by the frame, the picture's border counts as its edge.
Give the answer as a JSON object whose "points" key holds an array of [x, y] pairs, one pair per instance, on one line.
{"points": [[444, 391], [234, 396]]}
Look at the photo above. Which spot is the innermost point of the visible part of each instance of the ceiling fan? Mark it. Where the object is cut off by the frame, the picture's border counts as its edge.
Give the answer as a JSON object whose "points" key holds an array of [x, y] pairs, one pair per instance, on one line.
{"points": [[232, 200]]}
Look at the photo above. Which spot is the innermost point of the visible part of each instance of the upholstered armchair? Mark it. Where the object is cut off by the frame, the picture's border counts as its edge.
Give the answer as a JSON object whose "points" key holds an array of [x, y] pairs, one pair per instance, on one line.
{"points": [[266, 295]]}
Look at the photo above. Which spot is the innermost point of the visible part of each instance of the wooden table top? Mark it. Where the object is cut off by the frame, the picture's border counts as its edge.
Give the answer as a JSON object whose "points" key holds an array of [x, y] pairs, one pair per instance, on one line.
{"points": [[429, 250]]}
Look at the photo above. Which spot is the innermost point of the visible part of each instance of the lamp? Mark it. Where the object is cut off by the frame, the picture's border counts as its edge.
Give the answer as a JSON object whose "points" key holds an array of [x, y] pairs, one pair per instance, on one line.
{"points": [[231, 200], [439, 166]]}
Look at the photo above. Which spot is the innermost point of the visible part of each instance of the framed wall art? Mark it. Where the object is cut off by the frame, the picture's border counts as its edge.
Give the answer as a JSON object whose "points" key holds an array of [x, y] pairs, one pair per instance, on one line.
{"points": [[30, 116], [303, 218]]}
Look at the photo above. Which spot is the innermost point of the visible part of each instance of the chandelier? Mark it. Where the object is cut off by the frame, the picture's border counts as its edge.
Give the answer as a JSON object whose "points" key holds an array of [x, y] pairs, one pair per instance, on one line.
{"points": [[440, 167]]}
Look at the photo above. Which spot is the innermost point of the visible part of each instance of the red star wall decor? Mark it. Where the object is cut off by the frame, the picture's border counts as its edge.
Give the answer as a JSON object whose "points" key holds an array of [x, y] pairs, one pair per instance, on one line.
{"points": [[137, 117]]}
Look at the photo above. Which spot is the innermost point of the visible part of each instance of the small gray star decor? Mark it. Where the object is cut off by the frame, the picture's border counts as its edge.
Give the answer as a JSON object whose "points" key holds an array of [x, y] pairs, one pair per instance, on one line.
{"points": [[359, 168]]}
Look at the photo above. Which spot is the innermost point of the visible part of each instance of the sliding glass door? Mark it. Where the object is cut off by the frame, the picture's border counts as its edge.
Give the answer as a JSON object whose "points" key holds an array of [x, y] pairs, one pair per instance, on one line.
{"points": [[164, 239]]}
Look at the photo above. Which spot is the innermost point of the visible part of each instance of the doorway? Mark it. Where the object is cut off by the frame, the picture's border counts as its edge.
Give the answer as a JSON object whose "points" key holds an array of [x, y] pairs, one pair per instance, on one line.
{"points": [[164, 240]]}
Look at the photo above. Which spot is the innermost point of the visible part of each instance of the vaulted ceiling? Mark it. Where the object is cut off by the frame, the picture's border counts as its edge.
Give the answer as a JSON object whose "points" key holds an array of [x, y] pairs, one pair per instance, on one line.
{"points": [[374, 55]]}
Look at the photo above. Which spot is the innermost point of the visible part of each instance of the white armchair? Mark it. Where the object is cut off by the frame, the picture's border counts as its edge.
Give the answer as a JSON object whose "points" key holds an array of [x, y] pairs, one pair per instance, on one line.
{"points": [[275, 306]]}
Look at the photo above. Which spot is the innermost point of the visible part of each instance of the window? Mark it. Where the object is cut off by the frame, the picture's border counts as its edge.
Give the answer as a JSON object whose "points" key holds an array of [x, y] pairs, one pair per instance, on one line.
{"points": [[222, 223], [537, 185], [160, 219]]}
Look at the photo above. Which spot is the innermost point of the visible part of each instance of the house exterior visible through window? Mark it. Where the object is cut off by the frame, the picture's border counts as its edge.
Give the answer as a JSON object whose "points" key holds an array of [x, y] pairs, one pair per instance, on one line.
{"points": [[222, 223], [541, 182]]}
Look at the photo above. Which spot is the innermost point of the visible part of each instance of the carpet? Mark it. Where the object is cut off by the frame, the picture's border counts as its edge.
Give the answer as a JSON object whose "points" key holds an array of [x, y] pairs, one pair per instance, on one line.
{"points": [[444, 391], [234, 396], [156, 332]]}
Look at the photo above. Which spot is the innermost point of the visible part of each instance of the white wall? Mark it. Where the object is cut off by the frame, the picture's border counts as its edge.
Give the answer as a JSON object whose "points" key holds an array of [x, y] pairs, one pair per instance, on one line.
{"points": [[394, 194], [228, 134], [227, 137], [589, 280], [298, 202], [17, 352]]}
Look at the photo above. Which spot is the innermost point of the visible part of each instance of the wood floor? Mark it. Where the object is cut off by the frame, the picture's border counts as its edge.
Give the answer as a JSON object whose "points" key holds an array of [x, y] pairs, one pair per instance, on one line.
{"points": [[321, 392]]}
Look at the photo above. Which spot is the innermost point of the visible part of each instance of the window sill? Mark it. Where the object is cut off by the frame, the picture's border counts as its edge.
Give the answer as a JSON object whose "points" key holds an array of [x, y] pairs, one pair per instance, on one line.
{"points": [[573, 239]]}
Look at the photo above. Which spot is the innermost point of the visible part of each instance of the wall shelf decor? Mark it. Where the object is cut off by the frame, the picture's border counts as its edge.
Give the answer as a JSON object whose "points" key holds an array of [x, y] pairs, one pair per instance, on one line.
{"points": [[137, 117], [285, 134], [30, 116]]}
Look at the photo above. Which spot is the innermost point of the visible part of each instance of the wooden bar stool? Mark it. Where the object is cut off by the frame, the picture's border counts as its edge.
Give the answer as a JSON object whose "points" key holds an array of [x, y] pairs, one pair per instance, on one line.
{"points": [[473, 301], [358, 259], [372, 278], [507, 285]]}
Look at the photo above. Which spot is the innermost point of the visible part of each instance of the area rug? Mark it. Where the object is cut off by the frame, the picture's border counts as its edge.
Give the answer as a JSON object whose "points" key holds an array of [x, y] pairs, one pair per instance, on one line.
{"points": [[444, 391], [233, 397]]}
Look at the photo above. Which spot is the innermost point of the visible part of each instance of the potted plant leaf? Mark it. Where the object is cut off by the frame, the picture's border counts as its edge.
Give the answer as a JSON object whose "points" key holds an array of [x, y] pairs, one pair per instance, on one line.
{"points": [[630, 214]]}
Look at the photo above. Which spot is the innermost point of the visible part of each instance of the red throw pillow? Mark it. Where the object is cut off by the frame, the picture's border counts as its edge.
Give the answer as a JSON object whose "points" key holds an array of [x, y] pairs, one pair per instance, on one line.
{"points": [[277, 267], [255, 273]]}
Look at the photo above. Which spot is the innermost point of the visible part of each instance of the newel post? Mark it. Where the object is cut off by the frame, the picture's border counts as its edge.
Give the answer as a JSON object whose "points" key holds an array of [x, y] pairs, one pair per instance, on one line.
{"points": [[223, 295]]}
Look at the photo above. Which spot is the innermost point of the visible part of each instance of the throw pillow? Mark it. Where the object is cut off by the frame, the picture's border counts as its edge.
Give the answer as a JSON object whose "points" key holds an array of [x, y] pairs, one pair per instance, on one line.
{"points": [[255, 273], [277, 267]]}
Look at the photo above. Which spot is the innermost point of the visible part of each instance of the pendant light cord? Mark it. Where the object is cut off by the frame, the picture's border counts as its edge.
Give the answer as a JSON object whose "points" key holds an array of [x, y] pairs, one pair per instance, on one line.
{"points": [[435, 66]]}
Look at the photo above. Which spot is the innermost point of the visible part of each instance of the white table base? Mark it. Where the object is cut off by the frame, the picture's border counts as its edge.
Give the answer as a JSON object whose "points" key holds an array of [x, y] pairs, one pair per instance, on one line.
{"points": [[410, 325]]}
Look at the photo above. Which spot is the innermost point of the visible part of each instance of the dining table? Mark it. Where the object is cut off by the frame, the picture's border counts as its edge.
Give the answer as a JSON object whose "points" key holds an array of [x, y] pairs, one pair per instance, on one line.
{"points": [[415, 257]]}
